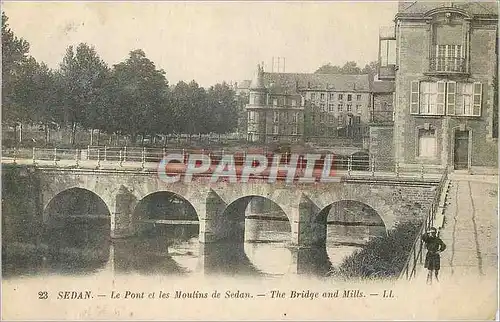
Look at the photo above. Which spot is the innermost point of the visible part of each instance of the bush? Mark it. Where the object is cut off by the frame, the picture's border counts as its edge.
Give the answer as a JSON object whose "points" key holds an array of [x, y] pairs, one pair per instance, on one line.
{"points": [[382, 257]]}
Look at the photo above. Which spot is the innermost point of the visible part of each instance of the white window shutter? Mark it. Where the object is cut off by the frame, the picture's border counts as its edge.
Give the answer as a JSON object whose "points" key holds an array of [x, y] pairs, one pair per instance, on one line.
{"points": [[478, 92], [451, 91], [440, 101], [414, 97]]}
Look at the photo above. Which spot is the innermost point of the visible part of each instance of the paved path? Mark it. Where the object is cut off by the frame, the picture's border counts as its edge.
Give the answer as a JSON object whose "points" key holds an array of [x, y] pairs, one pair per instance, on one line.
{"points": [[471, 228]]}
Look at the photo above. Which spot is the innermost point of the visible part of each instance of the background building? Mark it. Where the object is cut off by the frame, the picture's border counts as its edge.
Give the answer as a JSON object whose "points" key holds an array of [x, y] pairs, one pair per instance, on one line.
{"points": [[293, 107]]}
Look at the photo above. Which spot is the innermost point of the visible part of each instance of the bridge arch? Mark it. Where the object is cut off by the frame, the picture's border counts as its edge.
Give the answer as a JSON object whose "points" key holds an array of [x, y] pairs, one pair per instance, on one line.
{"points": [[381, 204], [282, 196], [72, 195], [257, 231], [166, 230], [76, 231], [230, 220], [50, 193], [346, 225], [157, 197], [325, 214]]}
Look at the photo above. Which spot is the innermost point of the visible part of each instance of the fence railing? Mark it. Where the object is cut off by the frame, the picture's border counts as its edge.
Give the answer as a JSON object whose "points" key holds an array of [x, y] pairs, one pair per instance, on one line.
{"points": [[149, 158], [417, 251]]}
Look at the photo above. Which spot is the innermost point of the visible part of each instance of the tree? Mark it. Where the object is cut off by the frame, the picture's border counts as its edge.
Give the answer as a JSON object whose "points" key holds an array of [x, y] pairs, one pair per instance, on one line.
{"points": [[14, 56], [82, 76], [328, 69], [191, 108], [371, 68], [349, 67], [224, 108], [140, 96], [36, 94]]}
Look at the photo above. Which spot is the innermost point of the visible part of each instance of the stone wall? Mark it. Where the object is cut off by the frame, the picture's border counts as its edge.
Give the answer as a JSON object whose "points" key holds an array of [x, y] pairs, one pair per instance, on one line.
{"points": [[381, 147], [21, 205]]}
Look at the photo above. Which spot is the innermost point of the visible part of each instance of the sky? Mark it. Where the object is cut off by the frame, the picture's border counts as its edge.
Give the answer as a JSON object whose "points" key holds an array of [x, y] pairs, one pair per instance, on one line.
{"points": [[209, 42]]}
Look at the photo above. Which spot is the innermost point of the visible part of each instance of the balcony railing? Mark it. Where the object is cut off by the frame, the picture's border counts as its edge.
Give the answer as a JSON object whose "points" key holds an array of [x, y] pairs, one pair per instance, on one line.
{"points": [[385, 116], [443, 64]]}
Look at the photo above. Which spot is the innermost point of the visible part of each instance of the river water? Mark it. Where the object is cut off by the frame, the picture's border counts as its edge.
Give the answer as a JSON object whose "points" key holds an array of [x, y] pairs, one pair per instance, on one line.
{"points": [[81, 245]]}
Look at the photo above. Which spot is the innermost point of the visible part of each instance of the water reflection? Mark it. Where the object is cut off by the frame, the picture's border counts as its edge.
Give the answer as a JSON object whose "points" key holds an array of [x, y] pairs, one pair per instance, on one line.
{"points": [[81, 245], [158, 249], [344, 240], [76, 244]]}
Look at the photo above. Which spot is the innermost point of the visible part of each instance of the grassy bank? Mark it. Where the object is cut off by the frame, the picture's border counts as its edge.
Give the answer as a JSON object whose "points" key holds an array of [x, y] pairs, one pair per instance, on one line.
{"points": [[382, 257]]}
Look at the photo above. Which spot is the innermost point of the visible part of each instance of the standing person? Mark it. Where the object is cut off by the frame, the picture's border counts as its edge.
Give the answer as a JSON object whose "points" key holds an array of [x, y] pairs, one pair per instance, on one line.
{"points": [[434, 246]]}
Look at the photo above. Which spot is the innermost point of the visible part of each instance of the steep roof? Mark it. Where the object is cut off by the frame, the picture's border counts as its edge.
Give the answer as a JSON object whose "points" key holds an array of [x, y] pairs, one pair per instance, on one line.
{"points": [[291, 82], [419, 8]]}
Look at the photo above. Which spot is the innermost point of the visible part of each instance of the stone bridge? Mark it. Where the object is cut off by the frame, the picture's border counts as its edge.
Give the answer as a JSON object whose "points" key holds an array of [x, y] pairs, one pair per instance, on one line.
{"points": [[218, 205]]}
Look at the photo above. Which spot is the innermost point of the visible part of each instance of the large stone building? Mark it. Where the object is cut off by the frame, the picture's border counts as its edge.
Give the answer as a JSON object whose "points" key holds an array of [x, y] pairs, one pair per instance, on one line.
{"points": [[292, 106], [443, 59]]}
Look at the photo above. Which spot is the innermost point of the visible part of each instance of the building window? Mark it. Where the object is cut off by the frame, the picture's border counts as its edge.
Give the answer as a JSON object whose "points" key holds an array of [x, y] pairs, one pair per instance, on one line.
{"points": [[276, 117], [251, 116], [349, 107], [427, 143], [467, 99], [294, 130], [340, 97], [313, 96], [295, 116], [275, 102], [358, 97], [358, 108], [332, 96], [449, 58], [341, 107], [431, 98], [294, 103], [331, 118], [275, 129], [357, 120], [349, 97], [323, 107], [340, 121], [387, 52], [322, 96], [428, 97], [331, 107]]}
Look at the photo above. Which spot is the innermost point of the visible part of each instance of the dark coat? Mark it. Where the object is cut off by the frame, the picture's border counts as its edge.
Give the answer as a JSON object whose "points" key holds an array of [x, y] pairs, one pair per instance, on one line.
{"points": [[434, 245]]}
